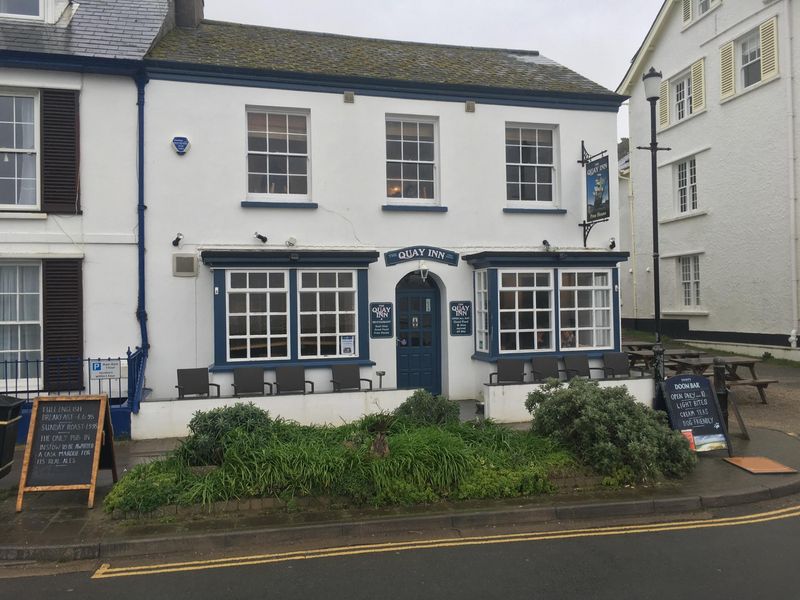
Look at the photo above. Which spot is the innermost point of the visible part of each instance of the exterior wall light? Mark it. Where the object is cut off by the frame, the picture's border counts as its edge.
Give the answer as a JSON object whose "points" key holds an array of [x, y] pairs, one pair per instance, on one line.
{"points": [[261, 238], [177, 241]]}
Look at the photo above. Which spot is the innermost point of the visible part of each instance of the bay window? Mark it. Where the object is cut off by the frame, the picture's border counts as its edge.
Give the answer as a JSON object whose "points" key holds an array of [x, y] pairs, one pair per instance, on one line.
{"points": [[327, 313], [526, 310]]}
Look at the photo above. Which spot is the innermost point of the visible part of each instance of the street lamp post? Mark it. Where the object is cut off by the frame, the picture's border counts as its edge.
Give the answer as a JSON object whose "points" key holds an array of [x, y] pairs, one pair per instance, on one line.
{"points": [[652, 91]]}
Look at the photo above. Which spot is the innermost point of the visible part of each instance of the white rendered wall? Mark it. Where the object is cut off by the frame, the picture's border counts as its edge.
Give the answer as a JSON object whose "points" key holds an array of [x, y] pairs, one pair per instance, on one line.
{"points": [[742, 149], [104, 235]]}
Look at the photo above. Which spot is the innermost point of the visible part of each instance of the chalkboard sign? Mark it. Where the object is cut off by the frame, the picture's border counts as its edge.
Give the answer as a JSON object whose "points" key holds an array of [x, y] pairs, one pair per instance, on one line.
{"points": [[693, 410], [69, 439], [381, 320], [461, 317]]}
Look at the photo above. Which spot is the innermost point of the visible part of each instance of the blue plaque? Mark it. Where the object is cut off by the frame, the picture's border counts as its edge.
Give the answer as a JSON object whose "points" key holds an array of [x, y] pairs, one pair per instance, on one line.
{"points": [[394, 257], [181, 144], [381, 320], [461, 317]]}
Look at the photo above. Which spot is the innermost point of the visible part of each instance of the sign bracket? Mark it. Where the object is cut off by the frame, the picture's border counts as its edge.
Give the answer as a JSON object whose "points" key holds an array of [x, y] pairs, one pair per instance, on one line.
{"points": [[586, 158], [587, 227]]}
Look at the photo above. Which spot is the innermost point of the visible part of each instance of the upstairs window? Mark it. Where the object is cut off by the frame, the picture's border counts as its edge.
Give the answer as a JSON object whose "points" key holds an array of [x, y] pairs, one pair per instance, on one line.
{"points": [[410, 159], [529, 164], [21, 8], [682, 94], [687, 185], [750, 56], [690, 279], [18, 152], [703, 6], [277, 154]]}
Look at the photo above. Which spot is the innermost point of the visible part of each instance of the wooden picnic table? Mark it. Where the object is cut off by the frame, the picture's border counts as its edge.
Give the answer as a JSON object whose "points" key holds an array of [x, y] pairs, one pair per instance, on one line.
{"points": [[632, 345], [700, 365], [646, 356]]}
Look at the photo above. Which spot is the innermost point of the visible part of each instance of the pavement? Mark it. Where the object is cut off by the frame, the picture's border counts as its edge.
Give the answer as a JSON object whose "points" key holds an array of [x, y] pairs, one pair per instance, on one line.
{"points": [[57, 526]]}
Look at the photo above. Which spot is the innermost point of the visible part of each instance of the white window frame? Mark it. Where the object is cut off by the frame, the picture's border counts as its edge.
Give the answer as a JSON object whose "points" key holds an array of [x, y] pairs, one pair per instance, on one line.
{"points": [[28, 382], [36, 150], [336, 312], [37, 17], [482, 321], [681, 92], [700, 7], [609, 288], [247, 291], [400, 201], [554, 202], [686, 185], [277, 196], [689, 280], [535, 330], [752, 35]]}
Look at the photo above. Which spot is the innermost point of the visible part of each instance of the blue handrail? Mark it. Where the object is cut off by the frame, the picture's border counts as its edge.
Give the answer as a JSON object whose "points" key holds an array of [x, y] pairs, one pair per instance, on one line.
{"points": [[137, 360]]}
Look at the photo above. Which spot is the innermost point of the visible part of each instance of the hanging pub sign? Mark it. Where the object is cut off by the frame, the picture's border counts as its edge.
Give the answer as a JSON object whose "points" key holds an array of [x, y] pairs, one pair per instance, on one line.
{"points": [[380, 320], [394, 257], [461, 317], [598, 200], [693, 410]]}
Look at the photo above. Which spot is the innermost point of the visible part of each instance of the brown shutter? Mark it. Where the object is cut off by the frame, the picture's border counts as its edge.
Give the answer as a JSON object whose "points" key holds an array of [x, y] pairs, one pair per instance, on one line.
{"points": [[62, 301], [60, 155]]}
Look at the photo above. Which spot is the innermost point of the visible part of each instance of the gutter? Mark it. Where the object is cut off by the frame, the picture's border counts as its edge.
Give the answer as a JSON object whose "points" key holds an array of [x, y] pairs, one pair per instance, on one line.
{"points": [[141, 80]]}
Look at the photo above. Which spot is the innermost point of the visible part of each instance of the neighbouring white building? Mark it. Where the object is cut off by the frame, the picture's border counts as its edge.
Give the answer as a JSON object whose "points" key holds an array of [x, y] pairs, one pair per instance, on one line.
{"points": [[727, 189], [316, 199]]}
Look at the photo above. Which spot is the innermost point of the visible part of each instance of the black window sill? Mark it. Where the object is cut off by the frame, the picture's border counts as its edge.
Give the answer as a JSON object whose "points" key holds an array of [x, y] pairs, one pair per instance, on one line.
{"points": [[413, 208], [312, 363], [265, 204], [541, 211]]}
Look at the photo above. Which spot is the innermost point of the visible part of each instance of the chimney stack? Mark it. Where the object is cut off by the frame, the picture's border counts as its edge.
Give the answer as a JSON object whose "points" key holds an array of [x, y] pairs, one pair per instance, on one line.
{"points": [[188, 13]]}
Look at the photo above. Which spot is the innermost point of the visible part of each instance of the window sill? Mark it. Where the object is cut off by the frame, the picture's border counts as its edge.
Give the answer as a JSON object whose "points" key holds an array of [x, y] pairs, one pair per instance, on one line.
{"points": [[702, 111], [413, 208], [33, 216], [312, 363], [541, 211], [686, 313], [755, 86], [683, 217], [268, 204]]}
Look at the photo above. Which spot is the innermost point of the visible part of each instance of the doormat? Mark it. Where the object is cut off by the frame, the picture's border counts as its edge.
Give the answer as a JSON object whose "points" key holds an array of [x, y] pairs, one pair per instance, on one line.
{"points": [[759, 465]]}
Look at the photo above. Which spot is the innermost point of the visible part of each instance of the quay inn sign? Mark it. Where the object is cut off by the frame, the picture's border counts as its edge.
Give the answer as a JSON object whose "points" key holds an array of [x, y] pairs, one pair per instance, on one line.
{"points": [[394, 257]]}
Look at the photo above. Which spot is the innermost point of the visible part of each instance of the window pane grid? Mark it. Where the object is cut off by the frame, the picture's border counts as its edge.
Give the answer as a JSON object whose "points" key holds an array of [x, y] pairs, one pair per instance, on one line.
{"points": [[683, 97], [585, 307], [750, 55], [526, 311], [481, 311], [410, 159], [257, 315], [17, 151], [20, 321], [327, 313], [690, 279], [277, 158], [529, 164]]}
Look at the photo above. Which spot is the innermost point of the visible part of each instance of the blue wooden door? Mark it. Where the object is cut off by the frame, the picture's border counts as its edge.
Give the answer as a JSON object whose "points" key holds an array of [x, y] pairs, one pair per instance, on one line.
{"points": [[418, 336]]}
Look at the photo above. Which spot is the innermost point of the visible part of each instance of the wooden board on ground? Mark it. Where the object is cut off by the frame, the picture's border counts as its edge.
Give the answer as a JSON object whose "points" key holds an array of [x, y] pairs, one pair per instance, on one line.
{"points": [[759, 465], [69, 439]]}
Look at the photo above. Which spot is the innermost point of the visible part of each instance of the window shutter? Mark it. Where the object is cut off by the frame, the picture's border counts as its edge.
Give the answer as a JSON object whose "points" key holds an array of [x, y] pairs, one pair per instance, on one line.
{"points": [[698, 86], [768, 31], [62, 321], [687, 11], [663, 104], [727, 72], [59, 154]]}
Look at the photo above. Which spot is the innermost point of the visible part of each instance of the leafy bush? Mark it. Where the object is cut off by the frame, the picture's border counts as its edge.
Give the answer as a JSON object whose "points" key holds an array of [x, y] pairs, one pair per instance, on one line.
{"points": [[609, 431], [206, 444], [423, 408], [148, 486]]}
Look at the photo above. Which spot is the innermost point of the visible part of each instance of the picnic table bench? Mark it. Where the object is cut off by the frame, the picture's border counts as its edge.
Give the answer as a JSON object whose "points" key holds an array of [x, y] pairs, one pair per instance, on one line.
{"points": [[700, 366]]}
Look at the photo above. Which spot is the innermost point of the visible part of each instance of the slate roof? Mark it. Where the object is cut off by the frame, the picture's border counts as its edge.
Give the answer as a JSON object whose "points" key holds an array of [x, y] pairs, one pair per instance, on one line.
{"points": [[219, 45], [122, 29]]}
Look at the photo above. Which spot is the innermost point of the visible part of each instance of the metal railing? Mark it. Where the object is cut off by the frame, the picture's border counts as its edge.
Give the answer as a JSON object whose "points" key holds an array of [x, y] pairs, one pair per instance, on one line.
{"points": [[26, 379], [137, 361]]}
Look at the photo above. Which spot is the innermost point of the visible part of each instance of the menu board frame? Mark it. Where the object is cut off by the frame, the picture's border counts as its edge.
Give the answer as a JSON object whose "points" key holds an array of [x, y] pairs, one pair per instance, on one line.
{"points": [[682, 405]]}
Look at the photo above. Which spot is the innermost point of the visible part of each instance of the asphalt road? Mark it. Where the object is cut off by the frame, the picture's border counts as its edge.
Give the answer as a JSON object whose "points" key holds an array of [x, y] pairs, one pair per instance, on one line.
{"points": [[733, 558]]}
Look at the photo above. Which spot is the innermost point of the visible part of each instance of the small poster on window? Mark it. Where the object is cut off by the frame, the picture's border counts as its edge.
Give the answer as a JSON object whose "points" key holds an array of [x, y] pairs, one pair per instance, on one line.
{"points": [[348, 345], [598, 200]]}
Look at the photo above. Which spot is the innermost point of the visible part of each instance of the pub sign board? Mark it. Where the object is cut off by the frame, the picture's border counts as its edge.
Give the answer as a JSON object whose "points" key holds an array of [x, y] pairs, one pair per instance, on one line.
{"points": [[395, 257], [693, 410], [460, 317], [69, 439], [381, 319], [598, 201]]}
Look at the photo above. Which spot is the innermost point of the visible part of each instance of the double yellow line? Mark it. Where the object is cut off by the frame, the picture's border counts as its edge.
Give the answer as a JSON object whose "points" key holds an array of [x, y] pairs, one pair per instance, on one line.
{"points": [[107, 571]]}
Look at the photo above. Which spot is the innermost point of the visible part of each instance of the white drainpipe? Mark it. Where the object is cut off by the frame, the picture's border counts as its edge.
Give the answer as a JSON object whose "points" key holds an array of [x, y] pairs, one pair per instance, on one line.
{"points": [[792, 184]]}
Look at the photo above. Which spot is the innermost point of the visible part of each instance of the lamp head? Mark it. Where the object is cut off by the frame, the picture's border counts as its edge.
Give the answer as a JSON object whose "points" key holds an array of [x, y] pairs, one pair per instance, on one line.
{"points": [[652, 84], [423, 270], [178, 237]]}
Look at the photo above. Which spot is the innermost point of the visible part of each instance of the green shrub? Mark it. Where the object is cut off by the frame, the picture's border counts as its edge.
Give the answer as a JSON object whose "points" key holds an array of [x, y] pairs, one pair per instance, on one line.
{"points": [[609, 431], [423, 408], [206, 443], [146, 487]]}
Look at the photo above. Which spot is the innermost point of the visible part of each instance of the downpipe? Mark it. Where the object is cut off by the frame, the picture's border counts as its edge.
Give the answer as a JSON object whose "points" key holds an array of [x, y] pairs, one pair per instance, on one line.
{"points": [[141, 79]]}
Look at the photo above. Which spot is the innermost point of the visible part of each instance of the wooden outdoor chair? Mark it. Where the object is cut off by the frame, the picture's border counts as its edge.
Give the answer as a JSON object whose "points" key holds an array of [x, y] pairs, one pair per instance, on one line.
{"points": [[347, 377], [544, 368], [250, 381], [194, 382], [292, 380], [508, 371]]}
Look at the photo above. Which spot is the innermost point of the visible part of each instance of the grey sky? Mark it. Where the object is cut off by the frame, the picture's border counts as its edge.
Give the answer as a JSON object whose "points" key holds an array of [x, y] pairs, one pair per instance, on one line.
{"points": [[596, 38]]}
